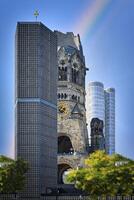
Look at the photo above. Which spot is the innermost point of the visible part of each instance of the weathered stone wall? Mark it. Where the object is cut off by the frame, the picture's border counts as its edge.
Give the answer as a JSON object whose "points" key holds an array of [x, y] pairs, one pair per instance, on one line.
{"points": [[71, 99]]}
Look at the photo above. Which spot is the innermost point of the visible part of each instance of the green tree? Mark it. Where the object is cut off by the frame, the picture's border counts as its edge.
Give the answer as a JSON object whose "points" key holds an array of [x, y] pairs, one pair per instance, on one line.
{"points": [[12, 174], [104, 175], [4, 159]]}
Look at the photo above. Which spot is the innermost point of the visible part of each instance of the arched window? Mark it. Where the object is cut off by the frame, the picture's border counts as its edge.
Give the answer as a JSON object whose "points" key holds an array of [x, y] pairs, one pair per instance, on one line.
{"points": [[65, 145], [62, 96], [65, 96], [62, 173], [58, 95], [62, 74], [74, 97], [73, 75]]}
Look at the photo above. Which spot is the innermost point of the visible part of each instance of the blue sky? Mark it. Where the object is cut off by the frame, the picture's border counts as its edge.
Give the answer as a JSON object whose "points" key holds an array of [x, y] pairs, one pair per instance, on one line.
{"points": [[108, 49]]}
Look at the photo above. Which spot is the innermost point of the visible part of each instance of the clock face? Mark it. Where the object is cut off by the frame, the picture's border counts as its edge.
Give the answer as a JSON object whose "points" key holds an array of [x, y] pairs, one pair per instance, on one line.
{"points": [[63, 108]]}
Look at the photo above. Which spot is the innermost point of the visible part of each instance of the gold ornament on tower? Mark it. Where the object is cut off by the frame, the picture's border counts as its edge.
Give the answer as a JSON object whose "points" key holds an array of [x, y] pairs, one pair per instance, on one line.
{"points": [[63, 109]]}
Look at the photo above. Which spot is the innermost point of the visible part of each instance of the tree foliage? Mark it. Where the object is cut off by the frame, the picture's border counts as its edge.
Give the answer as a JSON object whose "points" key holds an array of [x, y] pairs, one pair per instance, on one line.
{"points": [[12, 174], [4, 159], [105, 175]]}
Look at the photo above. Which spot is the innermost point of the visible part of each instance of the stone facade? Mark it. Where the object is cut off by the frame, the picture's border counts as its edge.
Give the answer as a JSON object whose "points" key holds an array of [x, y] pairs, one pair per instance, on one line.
{"points": [[72, 127]]}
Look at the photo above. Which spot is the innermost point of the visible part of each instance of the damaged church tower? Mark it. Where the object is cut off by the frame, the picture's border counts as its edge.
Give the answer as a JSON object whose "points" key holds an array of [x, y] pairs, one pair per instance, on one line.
{"points": [[72, 127]]}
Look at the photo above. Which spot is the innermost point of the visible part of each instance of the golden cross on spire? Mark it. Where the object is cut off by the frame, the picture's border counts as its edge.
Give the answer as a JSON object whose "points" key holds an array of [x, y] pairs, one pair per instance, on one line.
{"points": [[36, 14]]}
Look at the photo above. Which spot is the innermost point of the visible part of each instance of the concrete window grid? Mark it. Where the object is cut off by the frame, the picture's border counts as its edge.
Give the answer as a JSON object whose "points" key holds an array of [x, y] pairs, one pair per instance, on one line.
{"points": [[28, 85]]}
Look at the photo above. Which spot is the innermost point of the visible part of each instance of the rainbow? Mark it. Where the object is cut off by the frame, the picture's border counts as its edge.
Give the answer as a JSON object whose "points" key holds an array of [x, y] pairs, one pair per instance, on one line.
{"points": [[92, 17]]}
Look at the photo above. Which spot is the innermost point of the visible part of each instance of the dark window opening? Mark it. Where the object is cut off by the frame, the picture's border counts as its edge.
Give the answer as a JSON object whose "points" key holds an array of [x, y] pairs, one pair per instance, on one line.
{"points": [[62, 96], [65, 145], [74, 97], [63, 170], [62, 74], [58, 96], [62, 62], [65, 96], [75, 76]]}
